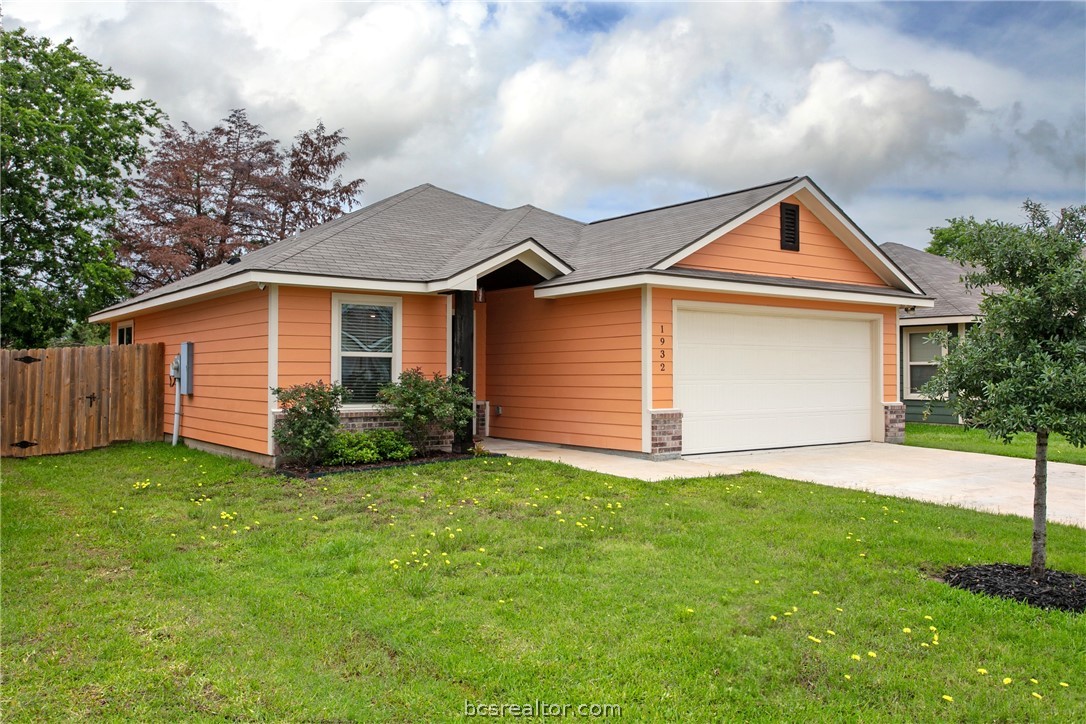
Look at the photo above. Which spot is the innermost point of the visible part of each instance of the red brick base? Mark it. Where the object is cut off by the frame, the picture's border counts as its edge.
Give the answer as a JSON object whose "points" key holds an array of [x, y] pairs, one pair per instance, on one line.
{"points": [[667, 434], [894, 416]]}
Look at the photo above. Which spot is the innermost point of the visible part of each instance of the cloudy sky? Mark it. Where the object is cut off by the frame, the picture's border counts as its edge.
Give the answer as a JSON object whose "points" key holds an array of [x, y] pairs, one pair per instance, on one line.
{"points": [[904, 113]]}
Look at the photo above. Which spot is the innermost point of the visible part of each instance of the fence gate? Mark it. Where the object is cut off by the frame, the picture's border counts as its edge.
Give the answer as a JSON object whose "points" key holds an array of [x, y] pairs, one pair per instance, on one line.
{"points": [[65, 399]]}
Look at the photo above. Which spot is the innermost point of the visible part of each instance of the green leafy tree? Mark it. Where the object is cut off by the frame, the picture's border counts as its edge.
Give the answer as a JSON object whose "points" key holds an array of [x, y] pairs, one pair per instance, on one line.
{"points": [[67, 147], [1023, 368]]}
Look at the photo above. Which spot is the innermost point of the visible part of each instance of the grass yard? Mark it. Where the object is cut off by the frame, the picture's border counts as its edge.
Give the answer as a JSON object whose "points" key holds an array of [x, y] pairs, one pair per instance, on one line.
{"points": [[155, 583], [952, 437]]}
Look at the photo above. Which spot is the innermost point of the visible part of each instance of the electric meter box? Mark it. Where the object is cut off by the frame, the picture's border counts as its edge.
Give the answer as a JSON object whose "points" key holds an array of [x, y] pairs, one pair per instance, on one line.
{"points": [[184, 380]]}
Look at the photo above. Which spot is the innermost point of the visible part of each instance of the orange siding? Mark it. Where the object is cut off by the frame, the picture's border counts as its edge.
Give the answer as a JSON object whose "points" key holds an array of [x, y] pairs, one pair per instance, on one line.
{"points": [[305, 334], [755, 248], [662, 306], [566, 370], [425, 333], [230, 367]]}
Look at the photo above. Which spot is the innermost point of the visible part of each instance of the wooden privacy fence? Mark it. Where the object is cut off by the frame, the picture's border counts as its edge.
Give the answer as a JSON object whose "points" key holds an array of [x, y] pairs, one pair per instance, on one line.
{"points": [[66, 399]]}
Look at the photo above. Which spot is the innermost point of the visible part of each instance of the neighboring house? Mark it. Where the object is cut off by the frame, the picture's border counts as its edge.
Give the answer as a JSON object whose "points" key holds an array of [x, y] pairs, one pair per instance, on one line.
{"points": [[756, 319], [956, 308]]}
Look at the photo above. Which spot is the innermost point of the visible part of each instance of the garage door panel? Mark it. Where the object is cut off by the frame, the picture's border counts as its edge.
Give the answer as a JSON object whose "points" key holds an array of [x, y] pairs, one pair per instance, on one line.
{"points": [[792, 397], [749, 381]]}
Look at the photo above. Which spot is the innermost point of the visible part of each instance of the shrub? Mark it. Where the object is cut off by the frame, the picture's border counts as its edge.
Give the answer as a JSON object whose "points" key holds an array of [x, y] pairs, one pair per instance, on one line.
{"points": [[309, 421], [428, 407], [391, 444], [371, 446]]}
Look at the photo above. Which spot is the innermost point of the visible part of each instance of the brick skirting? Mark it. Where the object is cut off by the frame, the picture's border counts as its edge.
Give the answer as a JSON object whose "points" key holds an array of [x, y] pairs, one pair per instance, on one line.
{"points": [[894, 417], [667, 434]]}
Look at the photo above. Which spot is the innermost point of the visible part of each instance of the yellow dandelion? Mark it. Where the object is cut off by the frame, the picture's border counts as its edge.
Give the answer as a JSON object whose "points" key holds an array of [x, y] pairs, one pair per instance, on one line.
{"points": [[1035, 695], [772, 618], [815, 593], [855, 657], [817, 641], [1007, 680], [906, 630], [756, 581], [1064, 683], [924, 645], [872, 654], [927, 618], [840, 610], [982, 672], [690, 610], [831, 633], [787, 613], [847, 677], [947, 697]]}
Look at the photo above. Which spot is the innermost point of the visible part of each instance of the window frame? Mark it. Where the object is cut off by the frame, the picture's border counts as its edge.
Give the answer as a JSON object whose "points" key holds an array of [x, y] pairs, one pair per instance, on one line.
{"points": [[907, 392], [396, 303], [128, 324]]}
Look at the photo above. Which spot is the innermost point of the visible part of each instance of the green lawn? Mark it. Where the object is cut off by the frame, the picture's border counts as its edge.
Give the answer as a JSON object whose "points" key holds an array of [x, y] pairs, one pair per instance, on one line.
{"points": [[153, 583], [953, 437]]}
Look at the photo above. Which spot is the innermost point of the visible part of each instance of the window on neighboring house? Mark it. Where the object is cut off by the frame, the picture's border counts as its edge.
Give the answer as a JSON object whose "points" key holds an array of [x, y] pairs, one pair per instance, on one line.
{"points": [[366, 343], [921, 360], [124, 333], [789, 227]]}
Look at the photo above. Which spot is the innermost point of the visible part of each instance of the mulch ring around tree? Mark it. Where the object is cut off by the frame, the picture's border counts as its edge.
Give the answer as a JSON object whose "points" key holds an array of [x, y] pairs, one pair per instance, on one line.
{"points": [[320, 471], [1055, 590]]}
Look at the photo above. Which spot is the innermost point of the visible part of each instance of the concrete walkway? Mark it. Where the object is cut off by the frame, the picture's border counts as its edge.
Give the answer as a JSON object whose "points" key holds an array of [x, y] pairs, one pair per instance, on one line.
{"points": [[971, 480]]}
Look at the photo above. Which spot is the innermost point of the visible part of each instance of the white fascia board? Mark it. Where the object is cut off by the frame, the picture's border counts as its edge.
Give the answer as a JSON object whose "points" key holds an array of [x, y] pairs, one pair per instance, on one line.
{"points": [[826, 212], [925, 321], [251, 279], [529, 252], [729, 287]]}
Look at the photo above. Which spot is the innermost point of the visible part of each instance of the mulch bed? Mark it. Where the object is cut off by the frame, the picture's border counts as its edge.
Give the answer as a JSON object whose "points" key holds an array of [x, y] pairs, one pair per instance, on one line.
{"points": [[321, 470], [1055, 590]]}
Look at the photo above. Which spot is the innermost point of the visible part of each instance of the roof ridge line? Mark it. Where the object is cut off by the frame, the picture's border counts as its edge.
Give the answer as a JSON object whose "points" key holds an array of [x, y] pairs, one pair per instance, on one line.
{"points": [[694, 201]]}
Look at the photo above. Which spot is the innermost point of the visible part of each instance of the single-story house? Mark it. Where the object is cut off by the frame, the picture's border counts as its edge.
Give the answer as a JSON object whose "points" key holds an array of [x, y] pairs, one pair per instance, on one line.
{"points": [[956, 308], [756, 319]]}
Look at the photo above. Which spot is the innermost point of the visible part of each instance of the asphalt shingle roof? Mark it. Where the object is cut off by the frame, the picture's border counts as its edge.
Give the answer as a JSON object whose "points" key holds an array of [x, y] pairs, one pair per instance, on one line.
{"points": [[940, 278], [428, 234]]}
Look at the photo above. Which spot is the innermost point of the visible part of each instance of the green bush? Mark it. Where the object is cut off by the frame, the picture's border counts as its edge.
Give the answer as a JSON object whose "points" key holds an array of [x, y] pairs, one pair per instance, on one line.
{"points": [[309, 421], [371, 446], [428, 407]]}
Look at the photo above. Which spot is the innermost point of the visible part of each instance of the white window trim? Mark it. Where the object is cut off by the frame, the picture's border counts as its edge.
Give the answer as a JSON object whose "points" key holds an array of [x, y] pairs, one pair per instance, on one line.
{"points": [[338, 300], [906, 382], [126, 324]]}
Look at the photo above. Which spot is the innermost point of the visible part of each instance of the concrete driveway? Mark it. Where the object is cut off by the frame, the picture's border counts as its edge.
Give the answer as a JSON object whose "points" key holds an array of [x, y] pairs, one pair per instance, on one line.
{"points": [[971, 480]]}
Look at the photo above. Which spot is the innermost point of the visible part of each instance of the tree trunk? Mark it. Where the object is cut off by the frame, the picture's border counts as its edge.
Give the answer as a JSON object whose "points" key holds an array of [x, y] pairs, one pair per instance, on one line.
{"points": [[1040, 507]]}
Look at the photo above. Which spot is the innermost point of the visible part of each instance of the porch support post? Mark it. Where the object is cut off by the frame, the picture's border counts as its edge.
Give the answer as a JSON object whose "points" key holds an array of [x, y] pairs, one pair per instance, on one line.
{"points": [[463, 355]]}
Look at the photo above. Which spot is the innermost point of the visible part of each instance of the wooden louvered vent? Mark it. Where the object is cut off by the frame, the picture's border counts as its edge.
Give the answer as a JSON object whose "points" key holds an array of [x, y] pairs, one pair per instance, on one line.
{"points": [[789, 227]]}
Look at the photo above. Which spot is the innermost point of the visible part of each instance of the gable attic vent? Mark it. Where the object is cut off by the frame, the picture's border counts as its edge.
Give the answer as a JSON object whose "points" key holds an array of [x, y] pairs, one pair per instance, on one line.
{"points": [[790, 227]]}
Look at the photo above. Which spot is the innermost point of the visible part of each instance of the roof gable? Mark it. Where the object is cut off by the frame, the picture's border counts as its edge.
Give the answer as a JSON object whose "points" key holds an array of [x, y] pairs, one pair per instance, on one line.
{"points": [[754, 247]]}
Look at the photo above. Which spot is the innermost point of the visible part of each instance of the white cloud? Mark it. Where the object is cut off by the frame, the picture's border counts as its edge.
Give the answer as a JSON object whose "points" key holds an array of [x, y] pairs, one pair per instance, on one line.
{"points": [[515, 103]]}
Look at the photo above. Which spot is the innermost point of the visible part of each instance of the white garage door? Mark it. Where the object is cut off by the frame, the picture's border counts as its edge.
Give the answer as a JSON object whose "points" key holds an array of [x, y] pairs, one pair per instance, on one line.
{"points": [[747, 381]]}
